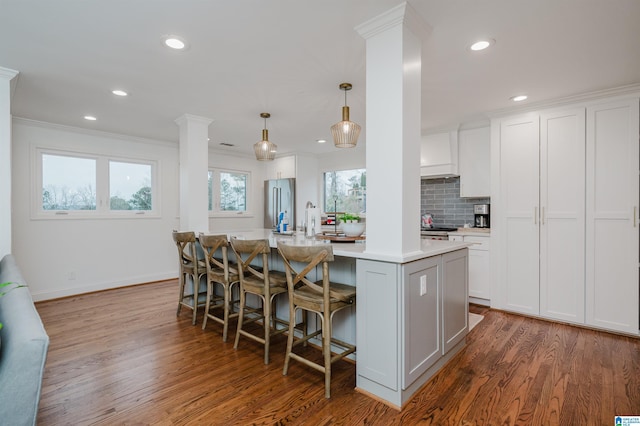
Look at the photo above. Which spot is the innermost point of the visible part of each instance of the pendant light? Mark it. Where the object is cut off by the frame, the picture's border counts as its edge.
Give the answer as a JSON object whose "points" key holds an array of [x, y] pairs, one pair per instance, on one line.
{"points": [[345, 133], [265, 150]]}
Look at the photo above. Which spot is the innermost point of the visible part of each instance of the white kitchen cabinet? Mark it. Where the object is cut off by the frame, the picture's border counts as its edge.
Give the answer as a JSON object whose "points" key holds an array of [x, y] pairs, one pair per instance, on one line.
{"points": [[281, 168], [519, 246], [561, 214], [566, 214], [542, 194], [479, 269], [612, 216], [474, 162], [479, 266]]}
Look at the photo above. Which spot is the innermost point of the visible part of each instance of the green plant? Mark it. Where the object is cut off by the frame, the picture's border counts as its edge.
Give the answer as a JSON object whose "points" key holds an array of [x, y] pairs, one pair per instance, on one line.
{"points": [[2, 293], [348, 216]]}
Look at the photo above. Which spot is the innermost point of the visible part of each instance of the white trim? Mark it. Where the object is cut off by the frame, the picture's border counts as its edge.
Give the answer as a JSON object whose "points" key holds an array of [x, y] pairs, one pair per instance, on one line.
{"points": [[102, 210], [92, 132], [107, 285], [214, 212]]}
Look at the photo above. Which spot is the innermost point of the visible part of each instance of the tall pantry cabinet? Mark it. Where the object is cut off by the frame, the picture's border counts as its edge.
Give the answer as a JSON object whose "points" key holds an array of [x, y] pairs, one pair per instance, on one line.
{"points": [[612, 215], [565, 214]]}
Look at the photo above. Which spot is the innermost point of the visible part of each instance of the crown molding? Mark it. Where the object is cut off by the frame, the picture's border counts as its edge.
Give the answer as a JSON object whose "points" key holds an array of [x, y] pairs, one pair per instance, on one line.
{"points": [[91, 132], [628, 90]]}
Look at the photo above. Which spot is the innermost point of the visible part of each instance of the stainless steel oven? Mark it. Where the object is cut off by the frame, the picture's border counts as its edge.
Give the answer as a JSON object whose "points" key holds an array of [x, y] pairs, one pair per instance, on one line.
{"points": [[436, 233]]}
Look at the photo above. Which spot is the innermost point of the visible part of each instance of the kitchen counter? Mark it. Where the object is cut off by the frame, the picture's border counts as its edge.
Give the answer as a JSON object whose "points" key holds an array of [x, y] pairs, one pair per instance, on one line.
{"points": [[411, 311], [357, 250]]}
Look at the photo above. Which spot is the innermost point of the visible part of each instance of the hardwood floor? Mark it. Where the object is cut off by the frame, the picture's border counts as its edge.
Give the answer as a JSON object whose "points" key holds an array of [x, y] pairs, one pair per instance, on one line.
{"points": [[123, 357]]}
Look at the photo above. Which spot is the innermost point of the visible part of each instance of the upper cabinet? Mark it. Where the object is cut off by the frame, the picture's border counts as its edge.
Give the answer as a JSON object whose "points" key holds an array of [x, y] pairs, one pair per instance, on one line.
{"points": [[464, 153], [474, 163], [281, 168], [439, 155]]}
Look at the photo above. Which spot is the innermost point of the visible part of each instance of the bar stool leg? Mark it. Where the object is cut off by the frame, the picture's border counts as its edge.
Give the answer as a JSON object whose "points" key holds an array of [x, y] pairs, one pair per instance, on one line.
{"points": [[292, 325], [240, 317], [326, 348]]}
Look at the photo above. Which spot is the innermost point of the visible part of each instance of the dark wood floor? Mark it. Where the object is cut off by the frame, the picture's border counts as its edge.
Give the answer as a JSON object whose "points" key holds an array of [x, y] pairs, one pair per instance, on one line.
{"points": [[123, 357]]}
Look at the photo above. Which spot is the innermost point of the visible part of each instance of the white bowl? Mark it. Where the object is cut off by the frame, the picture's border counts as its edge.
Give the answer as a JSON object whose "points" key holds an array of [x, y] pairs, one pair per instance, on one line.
{"points": [[353, 229]]}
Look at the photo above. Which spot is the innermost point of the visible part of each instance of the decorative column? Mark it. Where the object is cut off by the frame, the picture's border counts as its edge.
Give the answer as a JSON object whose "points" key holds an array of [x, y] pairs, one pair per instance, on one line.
{"points": [[6, 75], [194, 156], [393, 99]]}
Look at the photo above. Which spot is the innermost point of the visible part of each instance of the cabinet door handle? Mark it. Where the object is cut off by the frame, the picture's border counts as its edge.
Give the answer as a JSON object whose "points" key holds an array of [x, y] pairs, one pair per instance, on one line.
{"points": [[542, 216], [535, 215], [635, 216]]}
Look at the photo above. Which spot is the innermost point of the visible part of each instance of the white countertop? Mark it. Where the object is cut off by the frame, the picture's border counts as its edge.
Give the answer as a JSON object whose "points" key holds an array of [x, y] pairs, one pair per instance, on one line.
{"points": [[356, 250]]}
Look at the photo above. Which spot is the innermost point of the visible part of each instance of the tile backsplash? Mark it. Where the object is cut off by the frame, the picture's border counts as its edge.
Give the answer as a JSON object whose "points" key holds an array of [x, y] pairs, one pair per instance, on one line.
{"points": [[441, 198]]}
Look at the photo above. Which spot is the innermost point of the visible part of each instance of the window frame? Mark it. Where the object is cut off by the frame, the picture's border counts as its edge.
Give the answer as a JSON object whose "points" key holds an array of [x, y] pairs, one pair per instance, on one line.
{"points": [[324, 191], [215, 211], [103, 210]]}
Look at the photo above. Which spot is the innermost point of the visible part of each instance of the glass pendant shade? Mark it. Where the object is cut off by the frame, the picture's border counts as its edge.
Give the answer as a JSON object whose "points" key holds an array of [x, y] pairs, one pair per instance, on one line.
{"points": [[265, 150], [346, 132]]}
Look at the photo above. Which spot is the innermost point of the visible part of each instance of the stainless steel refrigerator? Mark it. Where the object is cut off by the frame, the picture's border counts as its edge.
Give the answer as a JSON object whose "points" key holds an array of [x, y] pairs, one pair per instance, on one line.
{"points": [[279, 196]]}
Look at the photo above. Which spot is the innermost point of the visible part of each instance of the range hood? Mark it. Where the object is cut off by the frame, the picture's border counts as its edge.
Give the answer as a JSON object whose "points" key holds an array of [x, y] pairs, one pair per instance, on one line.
{"points": [[439, 155]]}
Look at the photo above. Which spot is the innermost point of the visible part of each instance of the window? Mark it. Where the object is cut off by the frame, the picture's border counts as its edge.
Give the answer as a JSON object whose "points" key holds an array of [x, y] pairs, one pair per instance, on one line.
{"points": [[228, 192], [345, 191], [82, 185], [66, 190], [129, 186]]}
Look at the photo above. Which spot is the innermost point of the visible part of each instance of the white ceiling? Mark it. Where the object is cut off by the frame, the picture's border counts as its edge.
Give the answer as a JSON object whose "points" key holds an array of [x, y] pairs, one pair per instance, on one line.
{"points": [[287, 57]]}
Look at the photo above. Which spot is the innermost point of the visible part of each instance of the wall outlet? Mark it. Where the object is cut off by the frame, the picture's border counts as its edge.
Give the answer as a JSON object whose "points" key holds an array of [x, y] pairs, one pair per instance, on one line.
{"points": [[423, 285]]}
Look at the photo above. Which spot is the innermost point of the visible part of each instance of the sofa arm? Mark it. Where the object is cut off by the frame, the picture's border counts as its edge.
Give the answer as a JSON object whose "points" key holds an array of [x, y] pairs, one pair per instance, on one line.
{"points": [[23, 350]]}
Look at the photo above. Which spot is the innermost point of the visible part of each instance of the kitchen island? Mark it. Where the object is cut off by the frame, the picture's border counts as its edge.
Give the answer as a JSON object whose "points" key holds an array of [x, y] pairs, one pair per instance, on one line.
{"points": [[411, 315]]}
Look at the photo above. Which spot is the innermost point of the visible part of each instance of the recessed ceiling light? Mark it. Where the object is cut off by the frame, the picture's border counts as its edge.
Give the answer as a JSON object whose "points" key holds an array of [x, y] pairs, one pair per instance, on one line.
{"points": [[321, 140], [118, 92], [481, 44], [90, 118], [519, 98], [174, 42]]}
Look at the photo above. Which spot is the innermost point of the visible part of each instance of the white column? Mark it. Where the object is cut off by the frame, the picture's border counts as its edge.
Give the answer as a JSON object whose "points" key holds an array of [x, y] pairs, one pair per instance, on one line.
{"points": [[6, 75], [393, 93], [194, 159]]}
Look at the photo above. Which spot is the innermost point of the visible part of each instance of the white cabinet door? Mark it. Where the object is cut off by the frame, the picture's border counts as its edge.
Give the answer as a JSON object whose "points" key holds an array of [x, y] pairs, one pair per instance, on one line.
{"points": [[612, 216], [562, 219], [281, 168], [518, 273], [474, 163], [479, 267]]}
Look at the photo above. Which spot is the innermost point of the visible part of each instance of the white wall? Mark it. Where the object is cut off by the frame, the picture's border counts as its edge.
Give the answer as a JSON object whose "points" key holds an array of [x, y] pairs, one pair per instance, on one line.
{"points": [[256, 203], [103, 253], [6, 75]]}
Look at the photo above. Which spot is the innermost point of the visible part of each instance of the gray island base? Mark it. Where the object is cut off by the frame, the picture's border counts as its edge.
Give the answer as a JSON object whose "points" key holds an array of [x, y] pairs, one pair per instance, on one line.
{"points": [[411, 313]]}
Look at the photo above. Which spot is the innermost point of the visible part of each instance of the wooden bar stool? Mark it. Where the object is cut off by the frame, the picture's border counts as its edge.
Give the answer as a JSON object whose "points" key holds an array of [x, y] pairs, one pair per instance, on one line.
{"points": [[322, 297], [219, 271], [258, 280], [191, 267]]}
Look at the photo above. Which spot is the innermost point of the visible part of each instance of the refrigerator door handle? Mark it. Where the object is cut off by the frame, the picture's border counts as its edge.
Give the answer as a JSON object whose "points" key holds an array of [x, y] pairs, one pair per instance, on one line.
{"points": [[274, 198], [279, 209]]}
